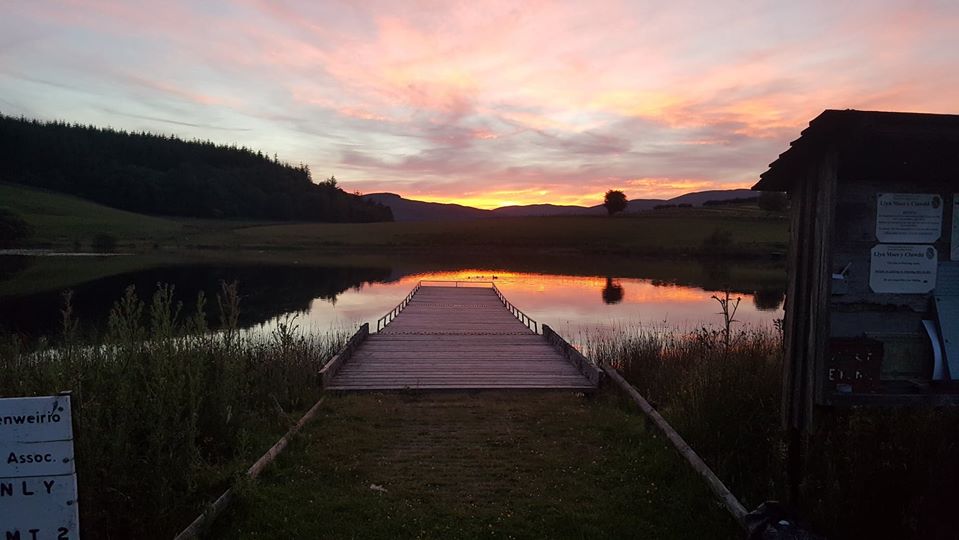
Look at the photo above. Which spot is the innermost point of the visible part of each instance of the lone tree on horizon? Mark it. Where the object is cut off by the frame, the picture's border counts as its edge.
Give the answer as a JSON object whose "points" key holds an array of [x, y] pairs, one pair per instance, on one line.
{"points": [[614, 201]]}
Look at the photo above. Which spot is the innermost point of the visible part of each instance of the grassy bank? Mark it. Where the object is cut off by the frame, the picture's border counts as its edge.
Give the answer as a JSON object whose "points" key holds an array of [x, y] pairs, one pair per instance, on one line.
{"points": [[668, 234], [64, 222], [871, 473], [166, 411], [477, 465]]}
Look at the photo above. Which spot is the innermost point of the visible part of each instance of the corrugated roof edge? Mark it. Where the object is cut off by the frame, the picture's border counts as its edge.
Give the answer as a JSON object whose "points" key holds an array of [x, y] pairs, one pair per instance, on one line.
{"points": [[781, 173]]}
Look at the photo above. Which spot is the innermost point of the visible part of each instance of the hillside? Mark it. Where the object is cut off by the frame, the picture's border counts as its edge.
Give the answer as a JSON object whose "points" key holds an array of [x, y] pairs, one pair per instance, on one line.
{"points": [[160, 175], [61, 220], [412, 210]]}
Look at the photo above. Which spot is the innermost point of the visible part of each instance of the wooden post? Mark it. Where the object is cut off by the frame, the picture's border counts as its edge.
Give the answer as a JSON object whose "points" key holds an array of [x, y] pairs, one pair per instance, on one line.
{"points": [[204, 520]]}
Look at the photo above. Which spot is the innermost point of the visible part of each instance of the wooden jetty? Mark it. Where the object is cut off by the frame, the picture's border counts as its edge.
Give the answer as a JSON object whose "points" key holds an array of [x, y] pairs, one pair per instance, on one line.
{"points": [[458, 335]]}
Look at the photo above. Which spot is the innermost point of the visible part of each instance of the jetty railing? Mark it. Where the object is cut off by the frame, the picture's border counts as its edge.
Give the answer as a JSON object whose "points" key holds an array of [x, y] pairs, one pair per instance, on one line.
{"points": [[523, 318], [385, 319], [457, 283]]}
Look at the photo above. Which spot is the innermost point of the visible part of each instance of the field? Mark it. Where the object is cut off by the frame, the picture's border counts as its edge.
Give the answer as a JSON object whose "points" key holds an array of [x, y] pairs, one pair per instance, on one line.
{"points": [[667, 233], [66, 222]]}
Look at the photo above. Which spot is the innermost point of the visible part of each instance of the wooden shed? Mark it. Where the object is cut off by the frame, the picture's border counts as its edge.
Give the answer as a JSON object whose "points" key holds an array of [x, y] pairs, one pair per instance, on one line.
{"points": [[872, 309]]}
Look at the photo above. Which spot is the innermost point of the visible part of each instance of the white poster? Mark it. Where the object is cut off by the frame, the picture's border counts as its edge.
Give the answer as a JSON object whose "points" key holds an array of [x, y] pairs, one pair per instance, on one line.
{"points": [[909, 217], [38, 484], [955, 227], [903, 269]]}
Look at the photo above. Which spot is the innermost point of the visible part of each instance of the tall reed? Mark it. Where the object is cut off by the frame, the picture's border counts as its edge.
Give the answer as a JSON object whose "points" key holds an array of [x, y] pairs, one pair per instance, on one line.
{"points": [[719, 390], [165, 409], [869, 472]]}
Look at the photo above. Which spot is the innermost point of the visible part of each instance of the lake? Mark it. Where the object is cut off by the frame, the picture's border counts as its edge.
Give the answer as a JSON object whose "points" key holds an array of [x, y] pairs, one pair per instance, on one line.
{"points": [[335, 294]]}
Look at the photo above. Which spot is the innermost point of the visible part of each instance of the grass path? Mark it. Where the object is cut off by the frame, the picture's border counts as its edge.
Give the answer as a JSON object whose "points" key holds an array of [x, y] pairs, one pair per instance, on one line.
{"points": [[467, 465]]}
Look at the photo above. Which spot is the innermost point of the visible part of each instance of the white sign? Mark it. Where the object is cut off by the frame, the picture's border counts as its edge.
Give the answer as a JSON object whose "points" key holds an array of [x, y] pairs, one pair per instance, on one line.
{"points": [[38, 484], [909, 217], [903, 269], [955, 227]]}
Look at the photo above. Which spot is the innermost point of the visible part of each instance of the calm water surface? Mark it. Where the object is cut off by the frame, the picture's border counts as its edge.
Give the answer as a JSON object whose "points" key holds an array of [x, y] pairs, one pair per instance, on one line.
{"points": [[322, 299], [569, 304]]}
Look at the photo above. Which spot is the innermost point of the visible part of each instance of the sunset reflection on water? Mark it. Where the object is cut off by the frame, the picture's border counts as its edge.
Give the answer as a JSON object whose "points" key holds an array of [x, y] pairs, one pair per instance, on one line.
{"points": [[570, 304]]}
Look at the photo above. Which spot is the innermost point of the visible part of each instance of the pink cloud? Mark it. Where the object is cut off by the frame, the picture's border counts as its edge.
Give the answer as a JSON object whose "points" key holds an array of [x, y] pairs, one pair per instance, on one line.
{"points": [[552, 99]]}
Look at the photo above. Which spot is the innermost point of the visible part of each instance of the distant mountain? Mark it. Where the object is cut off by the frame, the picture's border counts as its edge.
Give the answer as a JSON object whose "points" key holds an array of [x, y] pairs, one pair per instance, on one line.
{"points": [[410, 210], [698, 198], [547, 210]]}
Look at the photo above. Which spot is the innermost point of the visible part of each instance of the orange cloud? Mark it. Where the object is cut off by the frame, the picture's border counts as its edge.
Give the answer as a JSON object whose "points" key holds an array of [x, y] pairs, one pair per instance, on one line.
{"points": [[485, 103]]}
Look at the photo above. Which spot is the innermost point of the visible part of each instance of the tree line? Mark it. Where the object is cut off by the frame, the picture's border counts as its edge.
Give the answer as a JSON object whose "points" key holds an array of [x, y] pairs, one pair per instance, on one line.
{"points": [[159, 174]]}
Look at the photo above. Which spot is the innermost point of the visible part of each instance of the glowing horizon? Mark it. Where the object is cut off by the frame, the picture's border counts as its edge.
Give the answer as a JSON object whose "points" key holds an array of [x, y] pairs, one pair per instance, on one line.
{"points": [[484, 104]]}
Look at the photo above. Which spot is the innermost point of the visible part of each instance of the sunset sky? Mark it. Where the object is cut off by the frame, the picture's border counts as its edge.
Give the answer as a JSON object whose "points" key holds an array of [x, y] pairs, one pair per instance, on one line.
{"points": [[484, 103]]}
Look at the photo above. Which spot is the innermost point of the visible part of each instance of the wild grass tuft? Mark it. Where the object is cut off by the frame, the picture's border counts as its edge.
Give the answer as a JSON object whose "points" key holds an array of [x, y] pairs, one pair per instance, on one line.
{"points": [[869, 472], [719, 390], [166, 410]]}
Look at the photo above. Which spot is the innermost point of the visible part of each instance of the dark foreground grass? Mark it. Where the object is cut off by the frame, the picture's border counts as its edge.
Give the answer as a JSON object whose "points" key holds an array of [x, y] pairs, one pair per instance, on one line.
{"points": [[166, 411], [470, 465]]}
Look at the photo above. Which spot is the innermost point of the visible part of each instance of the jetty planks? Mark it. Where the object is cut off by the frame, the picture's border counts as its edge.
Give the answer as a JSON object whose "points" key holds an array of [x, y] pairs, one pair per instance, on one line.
{"points": [[456, 338]]}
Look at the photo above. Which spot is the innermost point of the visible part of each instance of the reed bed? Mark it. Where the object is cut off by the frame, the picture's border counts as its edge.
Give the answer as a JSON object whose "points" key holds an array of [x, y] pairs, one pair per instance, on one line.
{"points": [[869, 472], [167, 410], [721, 392]]}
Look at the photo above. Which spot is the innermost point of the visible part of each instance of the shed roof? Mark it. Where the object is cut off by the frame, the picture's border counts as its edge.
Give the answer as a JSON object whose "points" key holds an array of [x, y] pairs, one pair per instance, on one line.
{"points": [[872, 144]]}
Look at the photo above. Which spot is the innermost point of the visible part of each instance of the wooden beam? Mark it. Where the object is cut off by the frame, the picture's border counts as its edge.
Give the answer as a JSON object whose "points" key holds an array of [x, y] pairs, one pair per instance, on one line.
{"points": [[204, 520], [722, 493]]}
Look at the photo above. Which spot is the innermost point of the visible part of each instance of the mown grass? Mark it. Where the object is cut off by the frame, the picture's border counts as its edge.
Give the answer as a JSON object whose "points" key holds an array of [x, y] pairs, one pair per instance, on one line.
{"points": [[166, 411], [471, 465]]}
